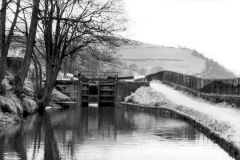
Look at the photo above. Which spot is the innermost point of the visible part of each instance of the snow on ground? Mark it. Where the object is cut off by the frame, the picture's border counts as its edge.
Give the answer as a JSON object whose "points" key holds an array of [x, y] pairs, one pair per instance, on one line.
{"points": [[147, 96], [11, 107], [223, 119], [222, 114], [59, 96]]}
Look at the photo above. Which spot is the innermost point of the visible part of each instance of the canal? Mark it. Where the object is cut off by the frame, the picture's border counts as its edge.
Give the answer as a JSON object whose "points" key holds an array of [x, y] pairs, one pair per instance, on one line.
{"points": [[106, 133]]}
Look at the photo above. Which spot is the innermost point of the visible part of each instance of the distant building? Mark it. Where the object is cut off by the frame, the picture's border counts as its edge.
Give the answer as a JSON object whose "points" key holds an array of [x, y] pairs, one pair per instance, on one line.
{"points": [[16, 52], [68, 76], [15, 57]]}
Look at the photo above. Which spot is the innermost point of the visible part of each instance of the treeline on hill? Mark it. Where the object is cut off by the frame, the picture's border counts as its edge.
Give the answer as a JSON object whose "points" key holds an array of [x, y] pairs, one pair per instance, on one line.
{"points": [[124, 69], [213, 69], [56, 32], [87, 62]]}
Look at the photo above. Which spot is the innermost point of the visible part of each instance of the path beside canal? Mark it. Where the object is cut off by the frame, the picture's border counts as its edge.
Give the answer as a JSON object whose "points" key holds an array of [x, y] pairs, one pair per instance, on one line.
{"points": [[222, 119]]}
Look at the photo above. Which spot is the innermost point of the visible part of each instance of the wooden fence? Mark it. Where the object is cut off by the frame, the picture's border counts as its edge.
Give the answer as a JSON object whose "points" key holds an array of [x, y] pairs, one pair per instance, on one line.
{"points": [[226, 87]]}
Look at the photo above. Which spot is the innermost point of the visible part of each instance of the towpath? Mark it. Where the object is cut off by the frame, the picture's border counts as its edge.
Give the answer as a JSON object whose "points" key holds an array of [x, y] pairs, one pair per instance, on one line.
{"points": [[221, 118]]}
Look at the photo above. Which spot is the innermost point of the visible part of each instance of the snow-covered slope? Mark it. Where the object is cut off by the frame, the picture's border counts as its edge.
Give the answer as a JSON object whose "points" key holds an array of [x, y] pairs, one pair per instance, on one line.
{"points": [[185, 61], [180, 60], [221, 119]]}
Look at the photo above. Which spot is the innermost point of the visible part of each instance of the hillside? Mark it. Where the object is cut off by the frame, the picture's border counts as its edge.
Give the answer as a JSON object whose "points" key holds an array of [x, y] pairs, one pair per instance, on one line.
{"points": [[141, 58], [146, 59]]}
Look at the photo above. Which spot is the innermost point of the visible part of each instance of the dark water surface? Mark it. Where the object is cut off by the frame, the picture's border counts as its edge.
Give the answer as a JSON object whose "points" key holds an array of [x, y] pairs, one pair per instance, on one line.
{"points": [[106, 133]]}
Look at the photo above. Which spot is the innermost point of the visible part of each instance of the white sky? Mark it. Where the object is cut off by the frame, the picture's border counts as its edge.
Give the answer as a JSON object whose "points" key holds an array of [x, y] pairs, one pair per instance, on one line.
{"points": [[212, 27]]}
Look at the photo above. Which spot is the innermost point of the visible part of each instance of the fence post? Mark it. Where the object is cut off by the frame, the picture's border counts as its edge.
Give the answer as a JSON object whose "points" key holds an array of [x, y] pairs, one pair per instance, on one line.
{"points": [[238, 86], [167, 77], [178, 78], [203, 85], [209, 89], [226, 87], [182, 78], [220, 87], [191, 82], [213, 90], [172, 76], [197, 83]]}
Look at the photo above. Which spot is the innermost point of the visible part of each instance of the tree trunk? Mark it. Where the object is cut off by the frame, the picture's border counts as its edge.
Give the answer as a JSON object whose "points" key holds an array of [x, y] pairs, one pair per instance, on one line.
{"points": [[5, 42], [22, 74], [48, 88], [46, 97], [51, 150], [2, 73], [3, 57], [38, 74], [65, 69]]}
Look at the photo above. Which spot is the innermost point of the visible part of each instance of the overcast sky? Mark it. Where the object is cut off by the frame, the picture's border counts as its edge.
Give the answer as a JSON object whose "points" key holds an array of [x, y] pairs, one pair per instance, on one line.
{"points": [[212, 27]]}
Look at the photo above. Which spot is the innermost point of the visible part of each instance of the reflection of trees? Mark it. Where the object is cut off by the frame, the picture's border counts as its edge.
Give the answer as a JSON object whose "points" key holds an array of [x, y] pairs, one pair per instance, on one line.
{"points": [[76, 126], [178, 133], [13, 140], [18, 145], [106, 119], [31, 131], [51, 151], [37, 138], [163, 126], [2, 140]]}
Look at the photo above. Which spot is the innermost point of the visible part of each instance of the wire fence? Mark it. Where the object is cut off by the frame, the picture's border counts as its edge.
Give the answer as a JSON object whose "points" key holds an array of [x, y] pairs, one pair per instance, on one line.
{"points": [[226, 87]]}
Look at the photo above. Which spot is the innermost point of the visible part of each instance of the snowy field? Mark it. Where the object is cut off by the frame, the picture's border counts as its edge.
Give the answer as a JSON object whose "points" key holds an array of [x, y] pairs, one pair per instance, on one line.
{"points": [[220, 118]]}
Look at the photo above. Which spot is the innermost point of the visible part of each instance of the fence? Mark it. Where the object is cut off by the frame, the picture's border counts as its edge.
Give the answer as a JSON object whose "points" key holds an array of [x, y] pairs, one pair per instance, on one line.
{"points": [[227, 87]]}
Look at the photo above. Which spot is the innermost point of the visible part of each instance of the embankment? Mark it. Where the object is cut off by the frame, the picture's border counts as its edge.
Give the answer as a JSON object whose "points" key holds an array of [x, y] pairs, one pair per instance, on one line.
{"points": [[12, 109], [225, 133]]}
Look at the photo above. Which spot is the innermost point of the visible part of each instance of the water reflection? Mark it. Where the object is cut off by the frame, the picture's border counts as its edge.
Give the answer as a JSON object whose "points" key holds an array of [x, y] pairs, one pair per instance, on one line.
{"points": [[105, 133]]}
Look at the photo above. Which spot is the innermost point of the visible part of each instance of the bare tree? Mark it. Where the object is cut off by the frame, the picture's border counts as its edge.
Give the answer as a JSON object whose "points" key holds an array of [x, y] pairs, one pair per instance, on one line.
{"points": [[22, 74], [70, 27], [5, 38]]}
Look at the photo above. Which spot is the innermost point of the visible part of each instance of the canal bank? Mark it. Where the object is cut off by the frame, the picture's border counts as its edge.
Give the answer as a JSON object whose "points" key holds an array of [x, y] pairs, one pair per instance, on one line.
{"points": [[220, 122], [13, 109]]}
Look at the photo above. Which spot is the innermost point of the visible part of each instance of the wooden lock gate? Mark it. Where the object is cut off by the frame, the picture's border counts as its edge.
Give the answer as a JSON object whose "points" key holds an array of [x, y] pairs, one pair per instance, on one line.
{"points": [[98, 87]]}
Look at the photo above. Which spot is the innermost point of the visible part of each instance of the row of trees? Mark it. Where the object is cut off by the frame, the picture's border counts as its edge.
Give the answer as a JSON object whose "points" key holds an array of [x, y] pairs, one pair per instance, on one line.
{"points": [[57, 30]]}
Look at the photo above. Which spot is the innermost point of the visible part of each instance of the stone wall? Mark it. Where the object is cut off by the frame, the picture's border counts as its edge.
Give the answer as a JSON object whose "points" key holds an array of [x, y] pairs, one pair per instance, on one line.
{"points": [[70, 88], [126, 88]]}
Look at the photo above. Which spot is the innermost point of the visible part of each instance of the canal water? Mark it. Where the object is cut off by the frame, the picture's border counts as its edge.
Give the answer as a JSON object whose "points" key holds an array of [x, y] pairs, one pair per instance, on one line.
{"points": [[106, 134]]}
